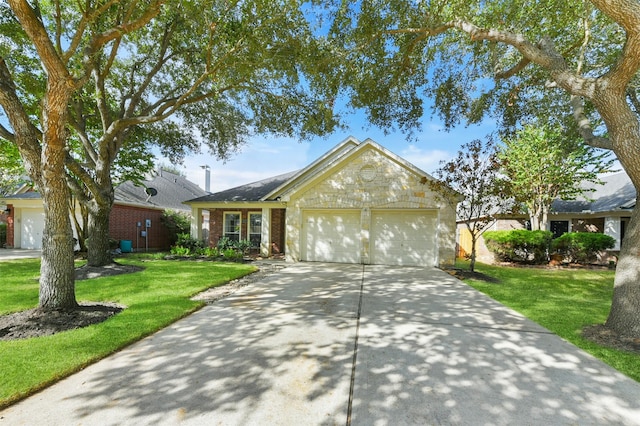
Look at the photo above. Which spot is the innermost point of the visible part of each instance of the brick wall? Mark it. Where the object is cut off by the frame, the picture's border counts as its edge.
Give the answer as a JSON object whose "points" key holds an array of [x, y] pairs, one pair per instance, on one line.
{"points": [[10, 243], [278, 227], [216, 225], [122, 226]]}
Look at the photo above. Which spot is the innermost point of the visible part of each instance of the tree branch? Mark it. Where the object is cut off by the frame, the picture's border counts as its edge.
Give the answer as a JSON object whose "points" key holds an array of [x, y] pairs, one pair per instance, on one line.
{"points": [[632, 95], [77, 169], [584, 126], [18, 117], [34, 28], [522, 64], [6, 134], [128, 26]]}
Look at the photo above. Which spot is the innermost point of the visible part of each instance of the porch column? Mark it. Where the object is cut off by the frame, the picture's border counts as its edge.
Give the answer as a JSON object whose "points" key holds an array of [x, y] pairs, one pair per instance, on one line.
{"points": [[612, 228], [265, 238], [196, 223]]}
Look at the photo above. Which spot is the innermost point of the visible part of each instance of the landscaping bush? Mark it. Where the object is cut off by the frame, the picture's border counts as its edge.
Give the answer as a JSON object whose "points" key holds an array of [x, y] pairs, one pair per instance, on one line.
{"points": [[193, 244], [3, 234], [226, 243], [232, 255], [582, 247], [519, 245], [177, 223], [209, 252]]}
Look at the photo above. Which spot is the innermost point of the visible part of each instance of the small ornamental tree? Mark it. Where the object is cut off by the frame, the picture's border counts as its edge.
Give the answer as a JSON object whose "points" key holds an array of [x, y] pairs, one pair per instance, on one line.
{"points": [[542, 165], [473, 174]]}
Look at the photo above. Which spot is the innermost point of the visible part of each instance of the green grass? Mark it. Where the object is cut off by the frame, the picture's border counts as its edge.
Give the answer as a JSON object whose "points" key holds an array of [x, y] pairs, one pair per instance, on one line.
{"points": [[563, 301], [155, 297]]}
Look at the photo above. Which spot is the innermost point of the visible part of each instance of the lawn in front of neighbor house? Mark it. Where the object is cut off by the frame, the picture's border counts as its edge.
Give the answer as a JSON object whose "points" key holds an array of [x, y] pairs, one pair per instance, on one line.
{"points": [[562, 300], [155, 297]]}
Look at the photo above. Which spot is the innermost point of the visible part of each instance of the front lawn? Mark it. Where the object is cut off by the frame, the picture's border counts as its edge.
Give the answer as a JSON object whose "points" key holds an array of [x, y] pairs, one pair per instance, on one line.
{"points": [[155, 297], [561, 300]]}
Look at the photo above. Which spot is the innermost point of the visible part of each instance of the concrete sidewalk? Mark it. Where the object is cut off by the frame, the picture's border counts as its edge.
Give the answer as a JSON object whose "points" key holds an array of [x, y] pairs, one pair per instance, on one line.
{"points": [[12, 254], [427, 350]]}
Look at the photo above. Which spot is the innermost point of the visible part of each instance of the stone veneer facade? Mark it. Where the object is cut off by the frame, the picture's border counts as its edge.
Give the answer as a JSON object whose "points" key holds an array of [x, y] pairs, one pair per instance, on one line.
{"points": [[370, 180]]}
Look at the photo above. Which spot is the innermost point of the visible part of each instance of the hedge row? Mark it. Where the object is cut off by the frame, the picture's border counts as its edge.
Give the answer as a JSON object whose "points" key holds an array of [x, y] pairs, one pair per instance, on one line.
{"points": [[522, 246]]}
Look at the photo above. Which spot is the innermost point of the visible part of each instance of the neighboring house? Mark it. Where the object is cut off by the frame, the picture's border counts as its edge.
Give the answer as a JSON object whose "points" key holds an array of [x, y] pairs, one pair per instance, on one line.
{"points": [[358, 203], [133, 207], [605, 208]]}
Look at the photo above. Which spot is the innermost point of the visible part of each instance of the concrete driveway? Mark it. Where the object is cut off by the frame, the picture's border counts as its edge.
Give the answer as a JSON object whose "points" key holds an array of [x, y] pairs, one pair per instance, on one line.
{"points": [[344, 344]]}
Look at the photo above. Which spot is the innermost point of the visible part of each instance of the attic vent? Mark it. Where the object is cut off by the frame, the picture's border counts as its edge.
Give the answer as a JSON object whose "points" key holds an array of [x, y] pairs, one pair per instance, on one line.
{"points": [[368, 173]]}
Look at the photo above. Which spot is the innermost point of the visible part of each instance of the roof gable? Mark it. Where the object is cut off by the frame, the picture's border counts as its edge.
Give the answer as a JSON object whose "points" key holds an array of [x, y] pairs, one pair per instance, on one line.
{"points": [[337, 152], [331, 163]]}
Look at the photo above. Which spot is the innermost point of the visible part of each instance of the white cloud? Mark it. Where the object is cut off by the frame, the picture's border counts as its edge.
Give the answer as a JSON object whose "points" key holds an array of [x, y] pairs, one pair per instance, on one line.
{"points": [[260, 159], [427, 160]]}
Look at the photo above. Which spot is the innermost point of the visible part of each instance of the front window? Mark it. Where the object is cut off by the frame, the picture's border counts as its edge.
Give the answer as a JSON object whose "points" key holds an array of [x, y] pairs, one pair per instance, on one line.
{"points": [[255, 229], [232, 226], [559, 227]]}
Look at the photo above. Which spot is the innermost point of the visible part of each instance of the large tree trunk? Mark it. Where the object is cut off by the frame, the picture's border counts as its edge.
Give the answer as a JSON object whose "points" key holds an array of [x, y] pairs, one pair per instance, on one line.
{"points": [[622, 124], [98, 250], [57, 272], [624, 316], [57, 279]]}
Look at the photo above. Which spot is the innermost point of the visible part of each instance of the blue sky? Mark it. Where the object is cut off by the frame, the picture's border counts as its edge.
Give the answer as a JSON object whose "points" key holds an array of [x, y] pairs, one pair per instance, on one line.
{"points": [[264, 157]]}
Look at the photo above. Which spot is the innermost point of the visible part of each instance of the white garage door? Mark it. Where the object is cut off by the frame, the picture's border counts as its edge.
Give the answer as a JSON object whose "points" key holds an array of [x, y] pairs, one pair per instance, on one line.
{"points": [[332, 236], [32, 229], [404, 238]]}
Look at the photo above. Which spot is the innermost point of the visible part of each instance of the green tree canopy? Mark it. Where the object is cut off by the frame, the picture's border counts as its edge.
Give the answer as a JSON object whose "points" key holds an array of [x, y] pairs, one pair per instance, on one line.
{"points": [[574, 64], [94, 81], [543, 164]]}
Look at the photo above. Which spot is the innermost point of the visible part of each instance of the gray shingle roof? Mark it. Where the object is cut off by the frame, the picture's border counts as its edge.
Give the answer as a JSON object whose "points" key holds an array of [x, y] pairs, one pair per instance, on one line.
{"points": [[615, 193], [172, 189], [250, 192]]}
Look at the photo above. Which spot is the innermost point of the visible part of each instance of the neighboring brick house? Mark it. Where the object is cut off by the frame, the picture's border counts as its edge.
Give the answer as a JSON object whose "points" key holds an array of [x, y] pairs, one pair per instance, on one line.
{"points": [[358, 203], [133, 205], [604, 208]]}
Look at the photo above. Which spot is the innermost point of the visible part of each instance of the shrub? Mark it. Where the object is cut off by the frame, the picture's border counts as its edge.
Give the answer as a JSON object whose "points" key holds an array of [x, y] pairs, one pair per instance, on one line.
{"points": [[232, 255], [180, 251], [209, 252], [177, 223], [226, 243], [519, 245], [185, 240], [3, 234], [582, 247]]}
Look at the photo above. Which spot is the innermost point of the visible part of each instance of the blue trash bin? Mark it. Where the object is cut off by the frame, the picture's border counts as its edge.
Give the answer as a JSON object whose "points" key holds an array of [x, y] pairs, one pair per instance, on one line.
{"points": [[125, 246]]}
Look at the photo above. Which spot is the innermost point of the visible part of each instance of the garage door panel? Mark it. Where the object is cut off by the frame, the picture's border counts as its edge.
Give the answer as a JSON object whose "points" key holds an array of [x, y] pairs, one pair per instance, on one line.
{"points": [[32, 229], [332, 237], [404, 238]]}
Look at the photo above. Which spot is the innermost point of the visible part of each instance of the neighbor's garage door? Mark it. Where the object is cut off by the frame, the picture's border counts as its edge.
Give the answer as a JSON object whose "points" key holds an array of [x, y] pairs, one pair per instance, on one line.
{"points": [[32, 229], [331, 236], [404, 237]]}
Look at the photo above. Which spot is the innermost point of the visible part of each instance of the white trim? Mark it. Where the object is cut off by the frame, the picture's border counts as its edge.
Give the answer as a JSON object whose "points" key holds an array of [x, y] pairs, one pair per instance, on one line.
{"points": [[249, 233], [224, 223]]}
